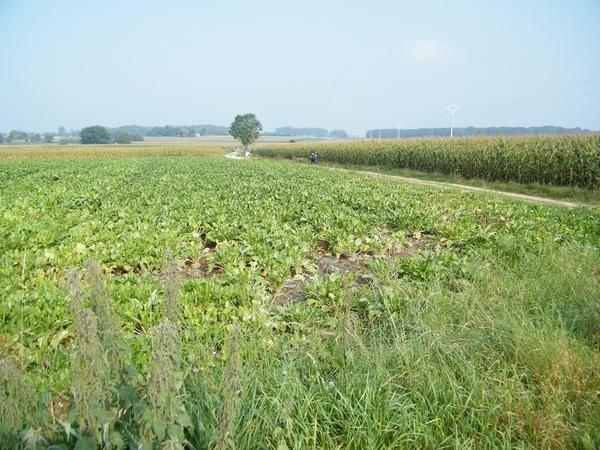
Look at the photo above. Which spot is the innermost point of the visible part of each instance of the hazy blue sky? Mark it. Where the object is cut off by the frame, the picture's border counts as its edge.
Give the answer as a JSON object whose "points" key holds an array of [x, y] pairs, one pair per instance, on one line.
{"points": [[334, 64]]}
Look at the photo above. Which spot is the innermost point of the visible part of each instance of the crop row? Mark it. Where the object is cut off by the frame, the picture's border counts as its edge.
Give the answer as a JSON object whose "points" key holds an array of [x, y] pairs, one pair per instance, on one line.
{"points": [[91, 151], [559, 161]]}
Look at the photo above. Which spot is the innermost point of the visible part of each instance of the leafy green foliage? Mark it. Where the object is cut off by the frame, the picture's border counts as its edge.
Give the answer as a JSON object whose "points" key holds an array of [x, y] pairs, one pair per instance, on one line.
{"points": [[426, 317], [94, 135], [168, 130], [122, 137], [245, 128]]}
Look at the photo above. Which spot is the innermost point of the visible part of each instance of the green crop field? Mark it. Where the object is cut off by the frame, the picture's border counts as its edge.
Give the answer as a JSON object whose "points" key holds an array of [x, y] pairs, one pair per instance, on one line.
{"points": [[172, 301]]}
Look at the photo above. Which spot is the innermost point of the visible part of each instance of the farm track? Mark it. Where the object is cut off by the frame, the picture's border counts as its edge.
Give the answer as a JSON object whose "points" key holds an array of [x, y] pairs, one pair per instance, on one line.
{"points": [[461, 186], [233, 155]]}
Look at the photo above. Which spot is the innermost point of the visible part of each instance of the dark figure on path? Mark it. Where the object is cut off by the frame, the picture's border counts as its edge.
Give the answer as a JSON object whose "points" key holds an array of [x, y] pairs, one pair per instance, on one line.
{"points": [[313, 157]]}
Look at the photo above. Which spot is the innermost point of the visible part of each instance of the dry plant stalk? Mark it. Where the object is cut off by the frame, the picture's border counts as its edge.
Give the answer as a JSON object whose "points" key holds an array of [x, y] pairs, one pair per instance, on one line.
{"points": [[89, 366], [230, 390]]}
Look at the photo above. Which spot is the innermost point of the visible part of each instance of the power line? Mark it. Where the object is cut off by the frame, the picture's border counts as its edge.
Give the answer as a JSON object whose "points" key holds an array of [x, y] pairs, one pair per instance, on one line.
{"points": [[535, 96], [492, 108], [431, 120], [533, 106]]}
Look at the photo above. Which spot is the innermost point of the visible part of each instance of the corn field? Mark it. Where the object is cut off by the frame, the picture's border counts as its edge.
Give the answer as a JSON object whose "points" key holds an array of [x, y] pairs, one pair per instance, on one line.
{"points": [[551, 160]]}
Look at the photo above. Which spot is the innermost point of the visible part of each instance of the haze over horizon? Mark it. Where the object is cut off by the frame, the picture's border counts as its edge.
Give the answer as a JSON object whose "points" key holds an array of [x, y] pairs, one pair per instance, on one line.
{"points": [[347, 65]]}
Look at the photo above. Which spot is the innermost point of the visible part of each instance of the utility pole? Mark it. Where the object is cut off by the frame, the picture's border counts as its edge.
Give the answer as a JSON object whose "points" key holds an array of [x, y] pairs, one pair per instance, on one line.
{"points": [[398, 125], [452, 109]]}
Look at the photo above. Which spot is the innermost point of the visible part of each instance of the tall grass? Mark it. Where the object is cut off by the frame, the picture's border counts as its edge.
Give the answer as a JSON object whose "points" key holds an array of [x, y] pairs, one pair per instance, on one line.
{"points": [[500, 364]]}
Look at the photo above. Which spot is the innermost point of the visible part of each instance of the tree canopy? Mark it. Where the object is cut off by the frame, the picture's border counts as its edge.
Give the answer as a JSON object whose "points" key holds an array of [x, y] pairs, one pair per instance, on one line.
{"points": [[306, 131], [122, 137], [16, 134], [245, 128], [94, 135], [168, 130]]}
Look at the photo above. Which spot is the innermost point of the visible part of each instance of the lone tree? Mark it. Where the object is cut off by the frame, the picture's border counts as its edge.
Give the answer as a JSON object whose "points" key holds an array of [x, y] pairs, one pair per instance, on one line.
{"points": [[94, 135], [246, 129]]}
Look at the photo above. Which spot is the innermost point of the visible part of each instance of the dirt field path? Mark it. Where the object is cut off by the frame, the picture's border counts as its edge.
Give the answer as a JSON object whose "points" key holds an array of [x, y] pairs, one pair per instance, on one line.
{"points": [[463, 187], [233, 155]]}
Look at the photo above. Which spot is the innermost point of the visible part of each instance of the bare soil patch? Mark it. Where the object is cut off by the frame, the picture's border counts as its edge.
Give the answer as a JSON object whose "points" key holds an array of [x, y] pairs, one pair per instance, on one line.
{"points": [[350, 266]]}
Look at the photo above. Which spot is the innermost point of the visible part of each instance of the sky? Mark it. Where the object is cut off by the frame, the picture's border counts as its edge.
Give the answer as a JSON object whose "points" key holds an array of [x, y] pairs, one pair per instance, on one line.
{"points": [[333, 64]]}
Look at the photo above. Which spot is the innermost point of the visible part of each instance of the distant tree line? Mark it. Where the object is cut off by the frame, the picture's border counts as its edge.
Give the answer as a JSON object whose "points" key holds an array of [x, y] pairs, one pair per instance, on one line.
{"points": [[188, 130], [18, 135], [212, 130], [172, 131], [306, 131], [131, 133], [471, 131], [121, 135], [125, 135], [97, 134]]}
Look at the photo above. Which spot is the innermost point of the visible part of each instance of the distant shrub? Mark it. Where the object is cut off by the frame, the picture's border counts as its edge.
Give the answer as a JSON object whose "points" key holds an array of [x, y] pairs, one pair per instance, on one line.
{"points": [[122, 137], [94, 135]]}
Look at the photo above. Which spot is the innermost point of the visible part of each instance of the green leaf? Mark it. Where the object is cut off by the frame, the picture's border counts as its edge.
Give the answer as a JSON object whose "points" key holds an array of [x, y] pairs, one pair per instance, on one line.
{"points": [[6, 425], [175, 431], [184, 419], [85, 444], [349, 355], [159, 430]]}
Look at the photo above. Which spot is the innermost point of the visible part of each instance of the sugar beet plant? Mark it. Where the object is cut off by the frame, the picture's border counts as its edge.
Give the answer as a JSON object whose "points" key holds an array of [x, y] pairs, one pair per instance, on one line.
{"points": [[199, 303]]}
